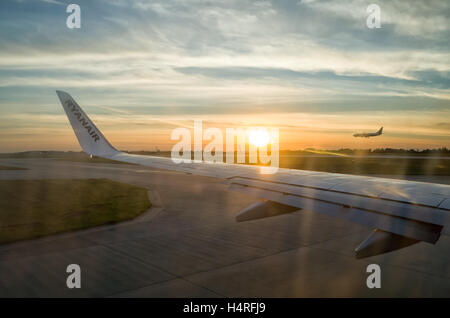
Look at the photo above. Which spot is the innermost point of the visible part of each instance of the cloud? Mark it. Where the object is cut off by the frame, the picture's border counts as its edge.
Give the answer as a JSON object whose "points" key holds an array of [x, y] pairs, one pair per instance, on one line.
{"points": [[198, 57], [444, 125], [306, 1], [54, 2]]}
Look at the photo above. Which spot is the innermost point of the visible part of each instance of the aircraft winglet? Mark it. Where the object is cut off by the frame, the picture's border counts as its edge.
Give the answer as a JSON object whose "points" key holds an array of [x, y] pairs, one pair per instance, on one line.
{"points": [[89, 136]]}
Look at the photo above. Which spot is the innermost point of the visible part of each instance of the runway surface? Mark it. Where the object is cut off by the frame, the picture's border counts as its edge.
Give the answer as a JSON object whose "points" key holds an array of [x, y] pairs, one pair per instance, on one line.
{"points": [[189, 245]]}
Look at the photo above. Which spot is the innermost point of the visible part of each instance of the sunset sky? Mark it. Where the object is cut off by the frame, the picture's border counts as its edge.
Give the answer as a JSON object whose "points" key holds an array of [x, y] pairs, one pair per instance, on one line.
{"points": [[142, 68]]}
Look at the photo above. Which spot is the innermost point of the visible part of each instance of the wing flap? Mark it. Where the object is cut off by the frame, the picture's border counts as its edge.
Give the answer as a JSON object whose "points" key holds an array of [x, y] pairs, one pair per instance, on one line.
{"points": [[417, 230], [400, 209], [380, 242]]}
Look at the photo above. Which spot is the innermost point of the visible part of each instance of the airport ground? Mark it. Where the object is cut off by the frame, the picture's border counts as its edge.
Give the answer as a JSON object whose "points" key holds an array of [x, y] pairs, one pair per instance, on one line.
{"points": [[36, 208], [189, 245]]}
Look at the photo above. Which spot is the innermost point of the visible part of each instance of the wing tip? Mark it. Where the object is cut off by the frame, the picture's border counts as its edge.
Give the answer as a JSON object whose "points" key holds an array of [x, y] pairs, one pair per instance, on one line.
{"points": [[62, 94]]}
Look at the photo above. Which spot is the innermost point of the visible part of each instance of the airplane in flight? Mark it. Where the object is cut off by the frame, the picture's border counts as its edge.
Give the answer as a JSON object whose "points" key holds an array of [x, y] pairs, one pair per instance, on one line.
{"points": [[367, 135], [401, 212]]}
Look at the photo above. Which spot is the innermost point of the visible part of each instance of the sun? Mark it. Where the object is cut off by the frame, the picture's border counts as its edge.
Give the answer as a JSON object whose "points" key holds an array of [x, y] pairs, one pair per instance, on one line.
{"points": [[259, 137]]}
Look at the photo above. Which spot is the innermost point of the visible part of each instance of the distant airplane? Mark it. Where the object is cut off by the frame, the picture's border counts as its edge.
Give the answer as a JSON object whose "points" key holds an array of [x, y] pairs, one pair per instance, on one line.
{"points": [[402, 213], [367, 135]]}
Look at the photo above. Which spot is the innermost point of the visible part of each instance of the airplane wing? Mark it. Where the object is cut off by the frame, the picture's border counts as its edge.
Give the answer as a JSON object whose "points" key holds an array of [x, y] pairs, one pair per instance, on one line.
{"points": [[400, 212]]}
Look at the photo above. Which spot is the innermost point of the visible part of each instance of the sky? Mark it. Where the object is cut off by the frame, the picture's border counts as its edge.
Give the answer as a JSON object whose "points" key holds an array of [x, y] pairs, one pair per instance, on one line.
{"points": [[140, 69]]}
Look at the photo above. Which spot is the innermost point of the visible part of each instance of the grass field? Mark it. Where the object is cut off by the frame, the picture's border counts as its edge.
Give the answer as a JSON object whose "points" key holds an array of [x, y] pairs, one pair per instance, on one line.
{"points": [[428, 165], [11, 168], [34, 208], [367, 165]]}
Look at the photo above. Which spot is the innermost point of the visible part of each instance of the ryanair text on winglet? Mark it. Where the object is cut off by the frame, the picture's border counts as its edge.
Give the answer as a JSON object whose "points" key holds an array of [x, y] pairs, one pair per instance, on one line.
{"points": [[84, 122]]}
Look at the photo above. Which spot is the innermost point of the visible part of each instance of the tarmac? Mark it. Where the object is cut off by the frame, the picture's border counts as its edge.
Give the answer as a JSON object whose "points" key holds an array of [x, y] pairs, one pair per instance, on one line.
{"points": [[189, 245]]}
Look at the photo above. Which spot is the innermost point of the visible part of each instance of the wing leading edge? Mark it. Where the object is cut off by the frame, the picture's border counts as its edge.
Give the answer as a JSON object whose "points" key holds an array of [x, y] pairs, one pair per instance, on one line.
{"points": [[401, 212]]}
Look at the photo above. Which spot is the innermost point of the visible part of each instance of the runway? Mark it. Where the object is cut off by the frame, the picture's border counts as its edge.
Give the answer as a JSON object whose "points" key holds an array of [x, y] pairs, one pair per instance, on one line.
{"points": [[189, 245]]}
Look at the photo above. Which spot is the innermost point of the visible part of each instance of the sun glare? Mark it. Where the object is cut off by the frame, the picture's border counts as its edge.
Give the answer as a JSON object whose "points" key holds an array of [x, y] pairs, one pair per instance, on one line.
{"points": [[258, 137]]}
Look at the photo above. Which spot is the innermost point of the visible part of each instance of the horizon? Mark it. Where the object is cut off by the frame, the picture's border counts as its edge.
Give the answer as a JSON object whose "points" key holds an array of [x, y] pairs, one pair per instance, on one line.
{"points": [[324, 151]]}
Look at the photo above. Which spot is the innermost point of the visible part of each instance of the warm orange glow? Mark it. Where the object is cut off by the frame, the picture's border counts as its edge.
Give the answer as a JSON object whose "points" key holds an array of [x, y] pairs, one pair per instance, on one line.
{"points": [[297, 130], [259, 137]]}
